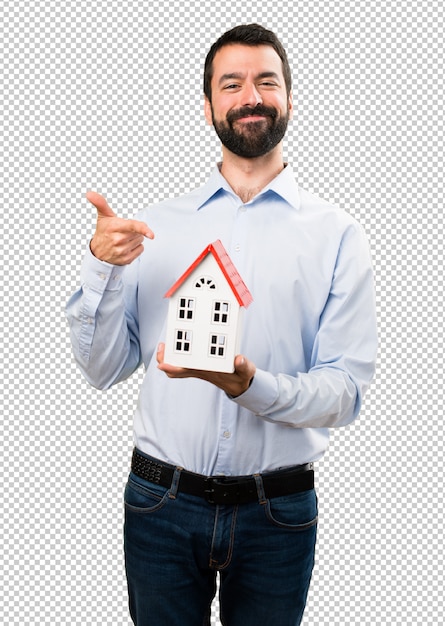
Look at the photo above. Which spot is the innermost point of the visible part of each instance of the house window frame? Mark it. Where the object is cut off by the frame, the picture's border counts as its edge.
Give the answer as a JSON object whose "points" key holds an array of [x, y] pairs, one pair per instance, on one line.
{"points": [[220, 315], [186, 309], [183, 341], [205, 281], [218, 345]]}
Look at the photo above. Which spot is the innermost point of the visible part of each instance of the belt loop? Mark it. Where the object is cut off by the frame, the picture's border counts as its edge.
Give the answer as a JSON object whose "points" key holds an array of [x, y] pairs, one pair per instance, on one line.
{"points": [[175, 483], [260, 489]]}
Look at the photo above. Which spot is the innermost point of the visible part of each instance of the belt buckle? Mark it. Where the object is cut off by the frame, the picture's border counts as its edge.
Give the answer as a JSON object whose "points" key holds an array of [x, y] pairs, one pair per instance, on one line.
{"points": [[210, 483]]}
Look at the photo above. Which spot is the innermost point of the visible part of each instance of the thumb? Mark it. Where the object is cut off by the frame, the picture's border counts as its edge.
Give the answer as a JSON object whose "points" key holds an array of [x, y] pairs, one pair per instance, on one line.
{"points": [[240, 363], [244, 367], [102, 206], [246, 371]]}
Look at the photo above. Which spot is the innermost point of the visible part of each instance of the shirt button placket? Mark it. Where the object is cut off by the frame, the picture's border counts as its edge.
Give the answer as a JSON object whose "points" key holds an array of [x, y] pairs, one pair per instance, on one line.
{"points": [[239, 228]]}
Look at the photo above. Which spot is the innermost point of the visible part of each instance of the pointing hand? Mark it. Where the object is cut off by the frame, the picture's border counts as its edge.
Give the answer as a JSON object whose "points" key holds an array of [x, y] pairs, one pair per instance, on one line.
{"points": [[117, 241]]}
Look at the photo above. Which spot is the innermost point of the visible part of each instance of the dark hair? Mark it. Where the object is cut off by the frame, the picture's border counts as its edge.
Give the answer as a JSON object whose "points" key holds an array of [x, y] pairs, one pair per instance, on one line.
{"points": [[248, 35]]}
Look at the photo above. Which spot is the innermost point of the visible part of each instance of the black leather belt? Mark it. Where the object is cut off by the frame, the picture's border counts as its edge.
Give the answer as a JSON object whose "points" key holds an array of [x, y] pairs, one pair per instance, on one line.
{"points": [[225, 489]]}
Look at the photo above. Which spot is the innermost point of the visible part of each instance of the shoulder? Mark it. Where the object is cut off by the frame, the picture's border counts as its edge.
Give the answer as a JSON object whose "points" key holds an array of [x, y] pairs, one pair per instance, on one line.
{"points": [[312, 203], [325, 213]]}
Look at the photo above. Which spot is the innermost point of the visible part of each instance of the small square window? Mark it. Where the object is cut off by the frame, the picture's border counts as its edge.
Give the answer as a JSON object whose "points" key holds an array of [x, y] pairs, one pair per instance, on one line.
{"points": [[186, 309], [183, 341], [220, 314], [217, 346]]}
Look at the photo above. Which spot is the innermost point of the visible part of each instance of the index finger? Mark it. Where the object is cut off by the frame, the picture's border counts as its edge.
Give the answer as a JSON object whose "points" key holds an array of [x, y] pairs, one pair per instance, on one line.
{"points": [[136, 226]]}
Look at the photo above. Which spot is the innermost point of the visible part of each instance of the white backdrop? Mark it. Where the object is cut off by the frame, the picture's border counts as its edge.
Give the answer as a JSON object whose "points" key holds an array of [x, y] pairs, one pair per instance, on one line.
{"points": [[107, 96]]}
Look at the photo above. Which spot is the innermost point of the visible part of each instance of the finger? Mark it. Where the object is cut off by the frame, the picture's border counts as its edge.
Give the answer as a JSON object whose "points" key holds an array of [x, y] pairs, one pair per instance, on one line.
{"points": [[104, 210], [131, 255], [160, 353], [171, 370], [129, 229], [100, 203], [135, 226], [134, 243]]}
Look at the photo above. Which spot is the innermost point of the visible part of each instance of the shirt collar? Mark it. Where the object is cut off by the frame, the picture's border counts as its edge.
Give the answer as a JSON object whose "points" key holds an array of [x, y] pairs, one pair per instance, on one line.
{"points": [[214, 185], [284, 185]]}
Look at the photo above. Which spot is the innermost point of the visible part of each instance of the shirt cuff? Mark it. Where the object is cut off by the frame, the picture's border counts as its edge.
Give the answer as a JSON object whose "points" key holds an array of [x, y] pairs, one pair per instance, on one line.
{"points": [[100, 275], [261, 395]]}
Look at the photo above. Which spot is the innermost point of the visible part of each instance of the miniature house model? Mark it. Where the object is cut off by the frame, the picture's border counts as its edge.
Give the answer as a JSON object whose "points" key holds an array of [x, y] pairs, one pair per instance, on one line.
{"points": [[205, 311]]}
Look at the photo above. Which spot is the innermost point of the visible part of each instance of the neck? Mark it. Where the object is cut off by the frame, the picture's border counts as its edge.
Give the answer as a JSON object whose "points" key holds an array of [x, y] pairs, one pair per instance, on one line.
{"points": [[248, 177]]}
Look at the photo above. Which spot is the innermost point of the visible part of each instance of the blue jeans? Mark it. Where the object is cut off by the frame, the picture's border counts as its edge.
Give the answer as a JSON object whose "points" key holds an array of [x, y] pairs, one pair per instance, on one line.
{"points": [[176, 543]]}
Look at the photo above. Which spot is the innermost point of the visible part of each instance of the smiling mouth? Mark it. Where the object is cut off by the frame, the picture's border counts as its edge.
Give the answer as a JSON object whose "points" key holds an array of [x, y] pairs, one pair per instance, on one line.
{"points": [[249, 115], [252, 118]]}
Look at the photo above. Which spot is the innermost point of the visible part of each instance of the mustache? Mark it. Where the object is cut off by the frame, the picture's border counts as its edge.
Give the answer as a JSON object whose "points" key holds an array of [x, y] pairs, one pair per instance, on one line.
{"points": [[260, 109]]}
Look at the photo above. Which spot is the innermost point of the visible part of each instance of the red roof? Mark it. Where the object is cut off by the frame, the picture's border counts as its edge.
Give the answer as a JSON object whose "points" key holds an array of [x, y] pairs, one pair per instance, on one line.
{"points": [[230, 272]]}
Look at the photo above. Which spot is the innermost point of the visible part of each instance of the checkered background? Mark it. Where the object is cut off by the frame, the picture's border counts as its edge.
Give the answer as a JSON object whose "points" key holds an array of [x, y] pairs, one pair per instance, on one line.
{"points": [[107, 96]]}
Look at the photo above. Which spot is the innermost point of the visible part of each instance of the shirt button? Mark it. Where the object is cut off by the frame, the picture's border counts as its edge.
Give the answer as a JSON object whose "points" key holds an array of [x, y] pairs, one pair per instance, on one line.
{"points": [[237, 247], [227, 434], [102, 276]]}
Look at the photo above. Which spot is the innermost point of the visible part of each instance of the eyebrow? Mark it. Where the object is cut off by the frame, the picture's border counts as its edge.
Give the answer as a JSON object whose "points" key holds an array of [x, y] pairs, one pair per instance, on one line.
{"points": [[239, 75]]}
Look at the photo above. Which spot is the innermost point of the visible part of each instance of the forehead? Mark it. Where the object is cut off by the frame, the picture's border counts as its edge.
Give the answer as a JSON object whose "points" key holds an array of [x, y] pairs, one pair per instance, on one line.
{"points": [[239, 58]]}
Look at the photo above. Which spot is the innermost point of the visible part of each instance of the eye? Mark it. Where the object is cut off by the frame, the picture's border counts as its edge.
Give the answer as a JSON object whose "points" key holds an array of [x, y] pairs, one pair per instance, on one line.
{"points": [[231, 86]]}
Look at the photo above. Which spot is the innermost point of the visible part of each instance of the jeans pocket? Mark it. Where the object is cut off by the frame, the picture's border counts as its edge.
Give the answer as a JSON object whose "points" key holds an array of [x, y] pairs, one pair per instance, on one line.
{"points": [[297, 511], [144, 497]]}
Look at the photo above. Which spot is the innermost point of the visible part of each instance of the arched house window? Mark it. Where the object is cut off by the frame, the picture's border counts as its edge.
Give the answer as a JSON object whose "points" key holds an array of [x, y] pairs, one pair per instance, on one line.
{"points": [[205, 281]]}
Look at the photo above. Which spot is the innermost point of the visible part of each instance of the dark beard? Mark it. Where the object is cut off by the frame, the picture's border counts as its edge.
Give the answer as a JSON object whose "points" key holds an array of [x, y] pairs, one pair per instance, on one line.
{"points": [[256, 138]]}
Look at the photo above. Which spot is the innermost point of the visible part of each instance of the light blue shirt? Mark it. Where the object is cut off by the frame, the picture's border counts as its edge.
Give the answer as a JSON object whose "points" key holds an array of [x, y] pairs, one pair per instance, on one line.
{"points": [[311, 329]]}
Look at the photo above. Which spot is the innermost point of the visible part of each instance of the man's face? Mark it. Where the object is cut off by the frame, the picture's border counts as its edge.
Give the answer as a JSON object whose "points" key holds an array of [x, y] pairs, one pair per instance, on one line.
{"points": [[250, 108]]}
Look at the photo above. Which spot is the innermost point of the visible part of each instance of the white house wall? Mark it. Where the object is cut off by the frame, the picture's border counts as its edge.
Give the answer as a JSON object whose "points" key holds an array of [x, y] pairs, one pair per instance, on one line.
{"points": [[201, 326]]}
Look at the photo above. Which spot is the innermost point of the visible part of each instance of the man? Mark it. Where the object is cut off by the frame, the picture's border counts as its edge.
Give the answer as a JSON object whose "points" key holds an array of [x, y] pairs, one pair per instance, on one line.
{"points": [[308, 352]]}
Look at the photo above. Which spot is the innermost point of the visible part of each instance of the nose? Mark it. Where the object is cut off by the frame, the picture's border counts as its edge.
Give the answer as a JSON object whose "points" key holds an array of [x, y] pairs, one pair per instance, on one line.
{"points": [[251, 96]]}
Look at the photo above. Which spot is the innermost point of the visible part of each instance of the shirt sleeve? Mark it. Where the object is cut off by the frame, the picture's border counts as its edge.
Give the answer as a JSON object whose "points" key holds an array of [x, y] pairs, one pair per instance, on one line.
{"points": [[102, 316], [343, 359]]}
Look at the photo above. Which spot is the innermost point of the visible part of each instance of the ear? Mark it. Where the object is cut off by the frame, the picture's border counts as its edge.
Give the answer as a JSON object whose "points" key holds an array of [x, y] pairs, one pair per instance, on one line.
{"points": [[208, 111], [291, 106]]}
